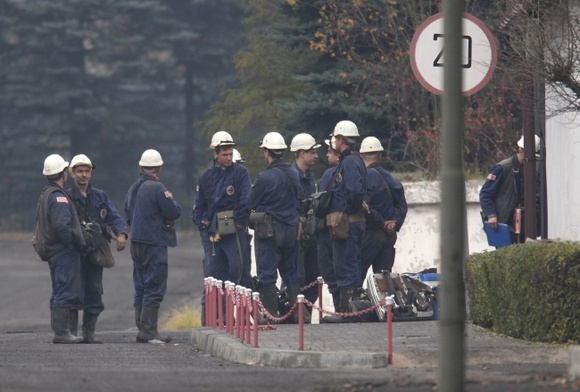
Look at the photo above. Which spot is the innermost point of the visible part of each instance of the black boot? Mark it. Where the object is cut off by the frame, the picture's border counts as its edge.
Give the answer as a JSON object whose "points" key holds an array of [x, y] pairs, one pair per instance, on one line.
{"points": [[293, 293], [336, 300], [138, 311], [73, 321], [269, 298], [346, 293], [89, 323], [59, 321], [149, 333]]}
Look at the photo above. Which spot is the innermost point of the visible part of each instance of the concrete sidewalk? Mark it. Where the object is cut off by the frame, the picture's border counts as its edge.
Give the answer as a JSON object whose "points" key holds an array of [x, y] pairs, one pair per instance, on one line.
{"points": [[415, 346]]}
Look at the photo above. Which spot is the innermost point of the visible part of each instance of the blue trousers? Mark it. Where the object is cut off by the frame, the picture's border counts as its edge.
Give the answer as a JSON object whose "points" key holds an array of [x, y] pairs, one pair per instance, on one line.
{"points": [[325, 260], [378, 252], [92, 283], [149, 274], [65, 274], [278, 254], [228, 259], [346, 253]]}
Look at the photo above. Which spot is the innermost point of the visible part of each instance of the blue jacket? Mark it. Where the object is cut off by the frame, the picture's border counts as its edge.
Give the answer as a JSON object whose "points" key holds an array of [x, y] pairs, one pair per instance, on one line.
{"points": [[503, 190], [98, 207], [386, 197], [151, 213], [221, 189], [349, 189], [277, 191], [306, 180]]}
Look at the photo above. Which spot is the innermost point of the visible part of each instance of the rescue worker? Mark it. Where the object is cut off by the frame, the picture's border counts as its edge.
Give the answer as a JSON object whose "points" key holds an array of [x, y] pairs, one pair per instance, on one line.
{"points": [[277, 192], [59, 240], [237, 157], [348, 207], [223, 187], [503, 191], [388, 209], [92, 205], [323, 240], [151, 212], [305, 155]]}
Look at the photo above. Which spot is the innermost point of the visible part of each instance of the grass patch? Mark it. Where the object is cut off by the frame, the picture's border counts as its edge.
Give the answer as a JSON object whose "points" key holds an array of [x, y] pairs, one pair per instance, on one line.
{"points": [[183, 318]]}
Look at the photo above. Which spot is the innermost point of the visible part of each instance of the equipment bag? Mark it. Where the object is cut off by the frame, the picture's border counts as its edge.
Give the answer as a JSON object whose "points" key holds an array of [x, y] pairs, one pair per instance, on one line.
{"points": [[338, 227], [321, 203], [225, 223], [261, 223], [97, 238]]}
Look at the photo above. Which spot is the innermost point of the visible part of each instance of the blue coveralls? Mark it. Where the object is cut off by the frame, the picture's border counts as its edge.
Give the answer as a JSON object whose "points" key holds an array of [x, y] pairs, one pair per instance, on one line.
{"points": [[308, 260], [349, 191], [386, 199], [222, 189], [277, 191], [324, 242], [65, 265], [97, 207], [151, 215]]}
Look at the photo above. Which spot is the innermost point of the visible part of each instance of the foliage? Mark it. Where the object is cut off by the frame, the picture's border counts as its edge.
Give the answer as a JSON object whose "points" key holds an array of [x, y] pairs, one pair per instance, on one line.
{"points": [[527, 291], [183, 318]]}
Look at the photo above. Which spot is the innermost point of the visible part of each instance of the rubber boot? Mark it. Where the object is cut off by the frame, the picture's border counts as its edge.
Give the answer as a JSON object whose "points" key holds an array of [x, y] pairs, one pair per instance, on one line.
{"points": [[138, 311], [293, 292], [73, 321], [269, 298], [89, 323], [149, 333], [59, 322], [346, 293]]}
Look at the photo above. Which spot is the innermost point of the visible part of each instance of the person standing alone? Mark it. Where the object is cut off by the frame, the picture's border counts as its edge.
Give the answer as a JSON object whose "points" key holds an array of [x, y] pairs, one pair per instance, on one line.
{"points": [[151, 212]]}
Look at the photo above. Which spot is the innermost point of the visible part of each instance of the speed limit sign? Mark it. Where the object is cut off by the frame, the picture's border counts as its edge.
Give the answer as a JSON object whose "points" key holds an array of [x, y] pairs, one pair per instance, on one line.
{"points": [[428, 57]]}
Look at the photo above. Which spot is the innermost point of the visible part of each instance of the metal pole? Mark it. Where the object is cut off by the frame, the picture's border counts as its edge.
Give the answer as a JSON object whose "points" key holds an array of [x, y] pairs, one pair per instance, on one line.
{"points": [[390, 302], [320, 283], [256, 298], [453, 213], [248, 297], [300, 302]]}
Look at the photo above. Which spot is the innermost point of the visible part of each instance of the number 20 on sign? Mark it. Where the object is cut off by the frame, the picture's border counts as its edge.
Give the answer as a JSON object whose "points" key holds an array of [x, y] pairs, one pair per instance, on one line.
{"points": [[428, 56]]}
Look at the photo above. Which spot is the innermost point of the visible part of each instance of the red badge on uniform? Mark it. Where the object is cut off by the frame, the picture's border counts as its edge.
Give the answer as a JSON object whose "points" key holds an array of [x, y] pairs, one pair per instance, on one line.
{"points": [[103, 213], [61, 199], [230, 190], [491, 177]]}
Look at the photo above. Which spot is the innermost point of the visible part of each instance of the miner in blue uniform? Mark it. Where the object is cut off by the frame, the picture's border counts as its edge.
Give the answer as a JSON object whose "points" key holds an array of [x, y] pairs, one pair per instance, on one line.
{"points": [[59, 240], [323, 240], [92, 205], [348, 209], [503, 190], [278, 193], [305, 149], [224, 188], [151, 212], [388, 209]]}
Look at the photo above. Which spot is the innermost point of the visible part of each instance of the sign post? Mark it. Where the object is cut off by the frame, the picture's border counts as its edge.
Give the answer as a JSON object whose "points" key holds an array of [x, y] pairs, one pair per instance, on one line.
{"points": [[478, 60]]}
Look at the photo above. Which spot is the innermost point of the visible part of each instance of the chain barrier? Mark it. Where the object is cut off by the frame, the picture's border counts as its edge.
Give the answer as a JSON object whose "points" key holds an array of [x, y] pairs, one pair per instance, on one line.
{"points": [[346, 314]]}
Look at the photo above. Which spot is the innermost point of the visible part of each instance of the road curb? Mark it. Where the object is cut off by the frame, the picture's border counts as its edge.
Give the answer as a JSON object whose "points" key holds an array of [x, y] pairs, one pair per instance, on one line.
{"points": [[222, 345], [574, 367]]}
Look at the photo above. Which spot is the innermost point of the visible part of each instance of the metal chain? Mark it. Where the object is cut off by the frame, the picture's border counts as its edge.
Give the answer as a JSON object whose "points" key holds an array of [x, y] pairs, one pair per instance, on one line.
{"points": [[353, 314]]}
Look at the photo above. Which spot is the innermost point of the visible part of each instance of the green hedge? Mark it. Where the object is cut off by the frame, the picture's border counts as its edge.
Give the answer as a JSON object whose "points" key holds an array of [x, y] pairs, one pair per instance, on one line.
{"points": [[529, 291]]}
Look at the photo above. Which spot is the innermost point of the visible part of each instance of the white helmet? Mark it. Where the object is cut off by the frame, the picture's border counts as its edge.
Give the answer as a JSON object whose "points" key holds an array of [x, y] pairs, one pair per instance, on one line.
{"points": [[303, 141], [151, 158], [331, 143], [370, 144], [273, 141], [238, 157], [80, 160], [54, 164], [345, 128], [221, 139], [536, 139]]}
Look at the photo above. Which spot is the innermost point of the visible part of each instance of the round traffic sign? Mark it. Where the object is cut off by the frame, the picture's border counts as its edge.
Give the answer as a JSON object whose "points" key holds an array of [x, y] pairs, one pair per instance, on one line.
{"points": [[478, 60]]}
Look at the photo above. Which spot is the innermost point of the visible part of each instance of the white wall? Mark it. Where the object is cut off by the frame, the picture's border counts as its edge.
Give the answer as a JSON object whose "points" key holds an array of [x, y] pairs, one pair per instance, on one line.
{"points": [[562, 176]]}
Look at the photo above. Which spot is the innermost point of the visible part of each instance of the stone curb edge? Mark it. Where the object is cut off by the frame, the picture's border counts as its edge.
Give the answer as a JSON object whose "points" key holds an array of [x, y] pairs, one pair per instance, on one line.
{"points": [[222, 345]]}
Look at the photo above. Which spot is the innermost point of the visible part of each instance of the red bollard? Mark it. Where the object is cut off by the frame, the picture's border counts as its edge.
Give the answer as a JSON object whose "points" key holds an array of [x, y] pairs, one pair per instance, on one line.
{"points": [[206, 308], [320, 283], [300, 302], [256, 298], [390, 302], [230, 307], [248, 296], [214, 298], [220, 309], [239, 313]]}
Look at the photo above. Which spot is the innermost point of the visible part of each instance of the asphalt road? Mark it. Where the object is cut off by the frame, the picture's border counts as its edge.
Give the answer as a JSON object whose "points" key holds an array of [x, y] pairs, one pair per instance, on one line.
{"points": [[30, 362]]}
